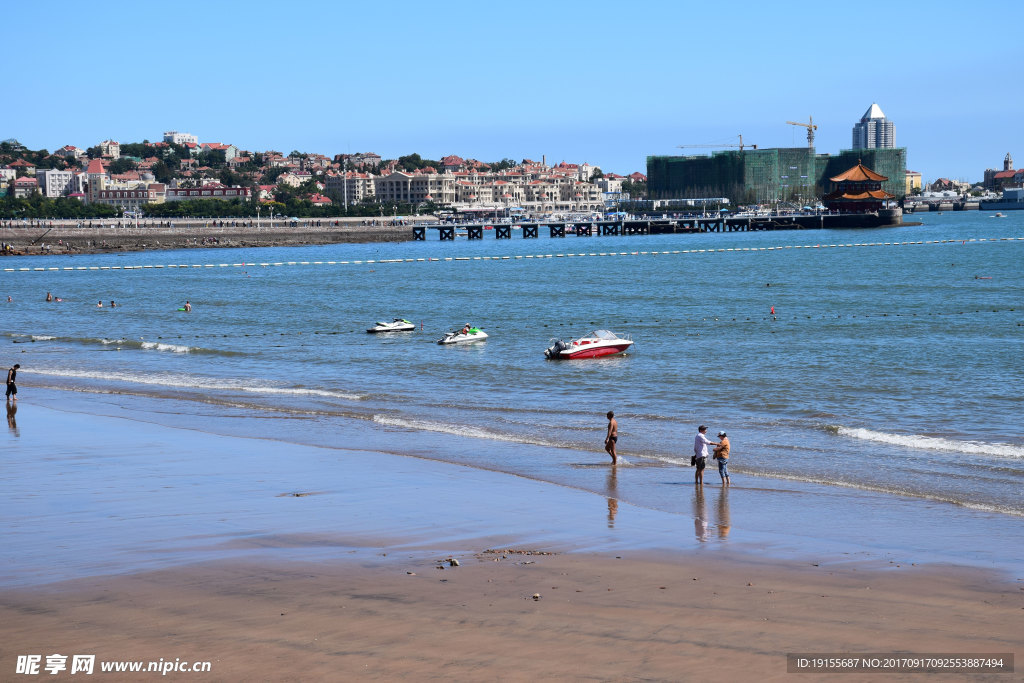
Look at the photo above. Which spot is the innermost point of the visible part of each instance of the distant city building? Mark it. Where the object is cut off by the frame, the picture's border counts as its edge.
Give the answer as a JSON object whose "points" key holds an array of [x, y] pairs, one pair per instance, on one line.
{"points": [[54, 183], [109, 148], [363, 159], [23, 166], [209, 191], [874, 130], [70, 152], [997, 180], [355, 186], [230, 151], [177, 138], [913, 182], [768, 175], [24, 187], [130, 197]]}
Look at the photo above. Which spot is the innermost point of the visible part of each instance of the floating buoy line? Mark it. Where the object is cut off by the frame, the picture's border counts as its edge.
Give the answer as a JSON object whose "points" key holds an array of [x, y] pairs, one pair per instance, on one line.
{"points": [[516, 257]]}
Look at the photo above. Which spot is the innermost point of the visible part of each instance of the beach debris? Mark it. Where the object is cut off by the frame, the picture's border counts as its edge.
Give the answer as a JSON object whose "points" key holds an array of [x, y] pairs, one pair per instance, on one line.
{"points": [[452, 562], [411, 573], [536, 596], [515, 551]]}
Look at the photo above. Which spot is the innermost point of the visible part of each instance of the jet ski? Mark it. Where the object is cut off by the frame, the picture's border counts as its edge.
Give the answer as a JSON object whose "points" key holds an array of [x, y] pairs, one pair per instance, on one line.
{"points": [[475, 334], [596, 344], [396, 325]]}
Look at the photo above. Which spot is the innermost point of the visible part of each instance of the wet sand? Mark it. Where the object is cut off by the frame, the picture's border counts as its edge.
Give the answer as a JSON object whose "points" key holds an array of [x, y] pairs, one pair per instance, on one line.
{"points": [[595, 617], [136, 541]]}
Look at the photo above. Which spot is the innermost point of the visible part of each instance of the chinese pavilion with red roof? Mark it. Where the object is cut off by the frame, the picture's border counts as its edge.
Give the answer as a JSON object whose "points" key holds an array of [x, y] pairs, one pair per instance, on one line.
{"points": [[858, 190]]}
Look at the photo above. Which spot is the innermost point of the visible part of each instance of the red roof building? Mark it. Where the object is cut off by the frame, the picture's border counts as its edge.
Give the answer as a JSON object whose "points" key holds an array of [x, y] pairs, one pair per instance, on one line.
{"points": [[858, 190]]}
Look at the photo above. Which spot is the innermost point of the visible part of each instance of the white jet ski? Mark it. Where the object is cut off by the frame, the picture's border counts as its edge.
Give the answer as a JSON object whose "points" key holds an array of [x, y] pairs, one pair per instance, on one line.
{"points": [[475, 334], [397, 325]]}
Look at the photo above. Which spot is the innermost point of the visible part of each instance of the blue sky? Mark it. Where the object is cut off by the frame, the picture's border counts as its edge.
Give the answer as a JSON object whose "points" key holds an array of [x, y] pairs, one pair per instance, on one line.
{"points": [[603, 82]]}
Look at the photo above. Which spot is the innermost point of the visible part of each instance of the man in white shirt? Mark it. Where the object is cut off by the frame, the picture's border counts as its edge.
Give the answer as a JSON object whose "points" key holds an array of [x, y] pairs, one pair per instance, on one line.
{"points": [[700, 453]]}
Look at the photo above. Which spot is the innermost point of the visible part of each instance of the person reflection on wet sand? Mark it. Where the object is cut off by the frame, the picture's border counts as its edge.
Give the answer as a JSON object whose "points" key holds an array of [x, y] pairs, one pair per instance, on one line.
{"points": [[12, 424], [700, 516], [724, 523], [612, 486]]}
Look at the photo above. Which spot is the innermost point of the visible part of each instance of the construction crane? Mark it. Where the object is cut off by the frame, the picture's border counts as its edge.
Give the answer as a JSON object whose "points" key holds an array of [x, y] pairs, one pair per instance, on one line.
{"points": [[810, 130], [741, 145]]}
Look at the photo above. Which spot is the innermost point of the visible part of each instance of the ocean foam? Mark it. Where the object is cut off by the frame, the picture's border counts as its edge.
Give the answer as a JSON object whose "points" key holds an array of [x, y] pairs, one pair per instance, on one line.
{"points": [[173, 348], [460, 430], [933, 443], [177, 381]]}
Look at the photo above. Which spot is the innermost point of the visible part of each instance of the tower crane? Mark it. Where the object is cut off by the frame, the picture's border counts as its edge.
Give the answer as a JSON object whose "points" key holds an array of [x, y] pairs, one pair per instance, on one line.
{"points": [[810, 129], [741, 145]]}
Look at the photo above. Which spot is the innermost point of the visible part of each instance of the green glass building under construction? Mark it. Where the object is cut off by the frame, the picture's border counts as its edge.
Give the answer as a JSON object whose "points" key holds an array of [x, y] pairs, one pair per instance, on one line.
{"points": [[766, 176]]}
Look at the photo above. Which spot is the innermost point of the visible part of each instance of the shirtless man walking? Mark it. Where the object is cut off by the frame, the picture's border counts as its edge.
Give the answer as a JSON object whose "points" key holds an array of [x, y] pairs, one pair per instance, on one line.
{"points": [[612, 437]]}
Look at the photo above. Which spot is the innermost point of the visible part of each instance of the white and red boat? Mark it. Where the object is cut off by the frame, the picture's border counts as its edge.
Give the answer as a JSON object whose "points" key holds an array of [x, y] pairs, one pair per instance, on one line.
{"points": [[596, 344]]}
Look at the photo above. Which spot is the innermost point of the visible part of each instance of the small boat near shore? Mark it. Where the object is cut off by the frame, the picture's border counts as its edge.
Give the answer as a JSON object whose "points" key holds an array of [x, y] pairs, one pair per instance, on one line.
{"points": [[396, 325], [475, 334], [596, 344]]}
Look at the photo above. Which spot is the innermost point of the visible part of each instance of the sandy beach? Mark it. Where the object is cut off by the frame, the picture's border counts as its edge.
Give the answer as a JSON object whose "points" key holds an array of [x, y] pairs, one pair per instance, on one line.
{"points": [[132, 540]]}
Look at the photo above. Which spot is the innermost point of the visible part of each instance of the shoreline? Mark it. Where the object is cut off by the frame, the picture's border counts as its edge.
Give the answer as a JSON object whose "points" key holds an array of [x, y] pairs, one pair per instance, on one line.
{"points": [[276, 560]]}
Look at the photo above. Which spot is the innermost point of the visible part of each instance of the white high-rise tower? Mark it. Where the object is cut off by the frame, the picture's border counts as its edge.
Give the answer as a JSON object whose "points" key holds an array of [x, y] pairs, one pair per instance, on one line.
{"points": [[874, 130]]}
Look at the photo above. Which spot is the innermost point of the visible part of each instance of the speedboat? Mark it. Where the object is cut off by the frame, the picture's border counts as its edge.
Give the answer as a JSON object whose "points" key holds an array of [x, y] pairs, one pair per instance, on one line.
{"points": [[396, 325], [475, 334], [597, 343]]}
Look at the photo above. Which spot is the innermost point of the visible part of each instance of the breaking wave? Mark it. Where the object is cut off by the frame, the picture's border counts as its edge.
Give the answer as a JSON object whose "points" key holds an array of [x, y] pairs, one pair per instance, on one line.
{"points": [[179, 381], [933, 443]]}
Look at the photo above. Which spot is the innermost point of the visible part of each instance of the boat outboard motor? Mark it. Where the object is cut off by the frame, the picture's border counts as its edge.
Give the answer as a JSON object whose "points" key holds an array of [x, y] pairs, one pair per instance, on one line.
{"points": [[555, 349]]}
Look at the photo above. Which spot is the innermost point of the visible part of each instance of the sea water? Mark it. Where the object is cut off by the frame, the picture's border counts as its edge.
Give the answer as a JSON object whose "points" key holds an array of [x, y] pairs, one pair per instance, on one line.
{"points": [[883, 361]]}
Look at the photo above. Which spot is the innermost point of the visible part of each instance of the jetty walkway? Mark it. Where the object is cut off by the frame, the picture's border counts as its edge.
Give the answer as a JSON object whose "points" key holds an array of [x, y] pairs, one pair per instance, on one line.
{"points": [[657, 226]]}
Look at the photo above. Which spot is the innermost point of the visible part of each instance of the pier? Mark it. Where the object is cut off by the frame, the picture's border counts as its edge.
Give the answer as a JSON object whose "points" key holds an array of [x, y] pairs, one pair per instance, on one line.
{"points": [[657, 226]]}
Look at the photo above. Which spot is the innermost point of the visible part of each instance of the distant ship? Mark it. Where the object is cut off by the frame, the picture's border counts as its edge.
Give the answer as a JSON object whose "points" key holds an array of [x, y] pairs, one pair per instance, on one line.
{"points": [[1013, 199]]}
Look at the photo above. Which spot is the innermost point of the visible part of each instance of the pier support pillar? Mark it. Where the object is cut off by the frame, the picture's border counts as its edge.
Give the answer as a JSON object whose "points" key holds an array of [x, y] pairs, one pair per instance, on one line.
{"points": [[529, 231], [419, 233], [502, 232], [475, 232], [447, 233]]}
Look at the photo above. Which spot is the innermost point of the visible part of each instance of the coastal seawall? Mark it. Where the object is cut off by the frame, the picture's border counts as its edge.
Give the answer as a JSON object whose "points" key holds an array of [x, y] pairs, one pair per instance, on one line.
{"points": [[83, 237]]}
